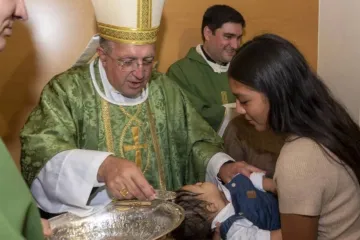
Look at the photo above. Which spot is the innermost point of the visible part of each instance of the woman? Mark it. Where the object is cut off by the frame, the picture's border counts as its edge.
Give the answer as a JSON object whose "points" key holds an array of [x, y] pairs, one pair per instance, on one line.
{"points": [[318, 169]]}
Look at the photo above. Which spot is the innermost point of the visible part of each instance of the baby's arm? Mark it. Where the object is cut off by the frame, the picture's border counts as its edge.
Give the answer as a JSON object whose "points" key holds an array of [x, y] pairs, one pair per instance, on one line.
{"points": [[263, 183], [276, 235], [269, 185]]}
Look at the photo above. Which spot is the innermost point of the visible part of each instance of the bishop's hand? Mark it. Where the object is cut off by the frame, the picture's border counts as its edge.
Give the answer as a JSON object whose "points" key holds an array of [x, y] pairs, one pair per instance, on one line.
{"points": [[230, 169], [124, 179]]}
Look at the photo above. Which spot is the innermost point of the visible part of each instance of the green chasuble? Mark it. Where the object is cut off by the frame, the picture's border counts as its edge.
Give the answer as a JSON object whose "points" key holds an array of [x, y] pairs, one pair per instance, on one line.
{"points": [[207, 90], [164, 135], [19, 216]]}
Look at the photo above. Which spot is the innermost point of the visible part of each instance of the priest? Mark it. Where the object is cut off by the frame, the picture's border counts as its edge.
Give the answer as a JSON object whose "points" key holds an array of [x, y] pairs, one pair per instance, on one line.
{"points": [[202, 73], [116, 128]]}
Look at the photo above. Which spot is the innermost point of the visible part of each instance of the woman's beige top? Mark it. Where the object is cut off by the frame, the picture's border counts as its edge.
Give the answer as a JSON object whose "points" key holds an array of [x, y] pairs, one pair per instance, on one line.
{"points": [[310, 183]]}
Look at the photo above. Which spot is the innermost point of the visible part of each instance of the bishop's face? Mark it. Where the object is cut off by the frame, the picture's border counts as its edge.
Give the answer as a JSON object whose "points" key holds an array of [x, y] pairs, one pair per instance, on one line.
{"points": [[10, 10], [128, 66]]}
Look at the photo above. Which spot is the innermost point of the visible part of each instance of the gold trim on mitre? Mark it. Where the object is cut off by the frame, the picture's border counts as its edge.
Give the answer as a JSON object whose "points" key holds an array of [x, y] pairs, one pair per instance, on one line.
{"points": [[128, 35], [142, 33], [144, 14]]}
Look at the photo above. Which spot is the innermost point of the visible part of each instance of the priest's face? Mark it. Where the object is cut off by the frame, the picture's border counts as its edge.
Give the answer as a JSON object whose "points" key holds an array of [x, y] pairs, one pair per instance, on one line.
{"points": [[222, 44], [10, 10], [128, 67], [252, 104]]}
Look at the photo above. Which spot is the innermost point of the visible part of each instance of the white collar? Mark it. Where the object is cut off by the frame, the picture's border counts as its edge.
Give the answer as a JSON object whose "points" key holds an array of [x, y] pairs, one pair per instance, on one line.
{"points": [[224, 214], [216, 67], [111, 95]]}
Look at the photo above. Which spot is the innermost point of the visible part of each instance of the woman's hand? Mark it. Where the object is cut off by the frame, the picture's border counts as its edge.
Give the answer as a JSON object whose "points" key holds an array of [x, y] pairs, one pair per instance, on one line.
{"points": [[229, 170]]}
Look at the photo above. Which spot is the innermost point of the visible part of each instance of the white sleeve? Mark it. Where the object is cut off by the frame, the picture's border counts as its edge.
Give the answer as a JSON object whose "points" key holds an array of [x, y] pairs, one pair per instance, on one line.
{"points": [[214, 165], [65, 182], [257, 180], [243, 229], [213, 169], [230, 113]]}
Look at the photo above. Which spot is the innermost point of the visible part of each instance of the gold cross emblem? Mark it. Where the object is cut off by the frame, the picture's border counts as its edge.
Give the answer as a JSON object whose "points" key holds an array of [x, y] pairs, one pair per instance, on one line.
{"points": [[136, 147], [224, 98]]}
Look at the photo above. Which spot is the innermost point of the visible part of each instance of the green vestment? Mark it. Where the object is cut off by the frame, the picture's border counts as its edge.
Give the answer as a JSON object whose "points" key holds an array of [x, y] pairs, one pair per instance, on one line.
{"points": [[207, 90], [164, 135], [19, 216]]}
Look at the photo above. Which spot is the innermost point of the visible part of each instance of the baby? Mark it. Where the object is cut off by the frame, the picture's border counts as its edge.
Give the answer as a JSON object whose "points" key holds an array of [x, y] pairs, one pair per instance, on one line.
{"points": [[243, 208]]}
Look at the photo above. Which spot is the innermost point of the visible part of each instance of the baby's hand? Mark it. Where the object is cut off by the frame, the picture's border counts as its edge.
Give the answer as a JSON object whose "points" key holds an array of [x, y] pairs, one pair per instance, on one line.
{"points": [[216, 235], [269, 185]]}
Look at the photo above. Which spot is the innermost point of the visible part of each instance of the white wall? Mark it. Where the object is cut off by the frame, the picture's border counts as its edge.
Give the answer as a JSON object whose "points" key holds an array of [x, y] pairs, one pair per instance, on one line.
{"points": [[339, 51]]}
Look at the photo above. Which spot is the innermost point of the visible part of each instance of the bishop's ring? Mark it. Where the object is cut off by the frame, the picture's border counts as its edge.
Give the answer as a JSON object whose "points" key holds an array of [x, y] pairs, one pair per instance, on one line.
{"points": [[124, 192]]}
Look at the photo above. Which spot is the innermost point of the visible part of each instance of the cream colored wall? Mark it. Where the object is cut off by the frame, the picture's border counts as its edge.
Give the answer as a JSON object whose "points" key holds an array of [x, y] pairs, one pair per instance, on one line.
{"points": [[339, 50]]}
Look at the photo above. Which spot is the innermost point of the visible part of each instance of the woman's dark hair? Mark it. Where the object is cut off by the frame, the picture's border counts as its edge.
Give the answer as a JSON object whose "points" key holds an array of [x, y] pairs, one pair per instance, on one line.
{"points": [[300, 103]]}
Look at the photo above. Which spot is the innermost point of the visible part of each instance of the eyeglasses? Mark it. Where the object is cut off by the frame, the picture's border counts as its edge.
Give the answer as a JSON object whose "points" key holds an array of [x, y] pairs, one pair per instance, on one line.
{"points": [[131, 64]]}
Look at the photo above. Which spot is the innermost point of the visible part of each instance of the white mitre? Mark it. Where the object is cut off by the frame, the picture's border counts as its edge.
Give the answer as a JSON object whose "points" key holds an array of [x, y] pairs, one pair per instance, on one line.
{"points": [[126, 21]]}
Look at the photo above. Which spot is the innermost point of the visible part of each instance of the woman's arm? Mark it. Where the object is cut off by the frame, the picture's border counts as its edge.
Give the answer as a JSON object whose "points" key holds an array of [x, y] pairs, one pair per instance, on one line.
{"points": [[276, 235], [299, 227], [303, 185]]}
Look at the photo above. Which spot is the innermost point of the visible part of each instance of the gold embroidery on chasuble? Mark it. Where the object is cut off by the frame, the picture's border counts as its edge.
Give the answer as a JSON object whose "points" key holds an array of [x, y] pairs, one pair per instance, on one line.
{"points": [[138, 132], [139, 138], [224, 98], [136, 147]]}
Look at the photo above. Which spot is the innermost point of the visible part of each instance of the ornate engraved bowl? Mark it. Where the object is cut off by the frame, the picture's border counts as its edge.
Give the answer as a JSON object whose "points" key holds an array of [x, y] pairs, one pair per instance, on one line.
{"points": [[122, 220]]}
